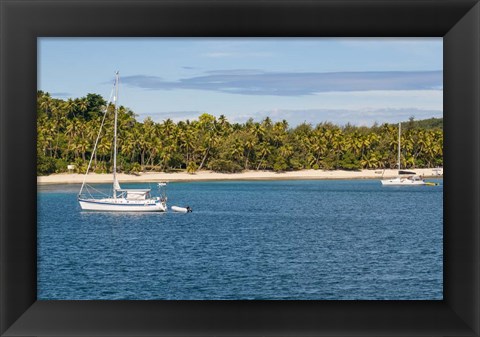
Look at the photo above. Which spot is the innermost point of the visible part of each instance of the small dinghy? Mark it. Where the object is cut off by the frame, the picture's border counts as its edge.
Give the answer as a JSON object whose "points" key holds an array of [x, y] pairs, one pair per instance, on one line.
{"points": [[181, 209]]}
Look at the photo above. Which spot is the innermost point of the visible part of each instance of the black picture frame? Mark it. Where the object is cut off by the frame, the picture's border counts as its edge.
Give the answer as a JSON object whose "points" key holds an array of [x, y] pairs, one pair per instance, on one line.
{"points": [[23, 21]]}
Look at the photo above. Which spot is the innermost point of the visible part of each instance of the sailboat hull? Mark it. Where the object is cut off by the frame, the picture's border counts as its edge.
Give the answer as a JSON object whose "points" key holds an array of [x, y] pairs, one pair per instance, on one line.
{"points": [[121, 205], [402, 182]]}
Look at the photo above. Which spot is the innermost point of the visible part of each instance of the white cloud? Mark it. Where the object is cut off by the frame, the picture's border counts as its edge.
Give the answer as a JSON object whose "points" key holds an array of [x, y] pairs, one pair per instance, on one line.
{"points": [[359, 117], [381, 99]]}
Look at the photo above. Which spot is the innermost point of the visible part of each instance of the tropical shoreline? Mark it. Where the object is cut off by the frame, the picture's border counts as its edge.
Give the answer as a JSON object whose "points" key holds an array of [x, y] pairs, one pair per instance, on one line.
{"points": [[75, 178]]}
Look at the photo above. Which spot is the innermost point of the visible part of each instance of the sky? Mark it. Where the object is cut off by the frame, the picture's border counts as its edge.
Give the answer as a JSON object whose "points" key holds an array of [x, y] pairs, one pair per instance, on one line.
{"points": [[340, 80]]}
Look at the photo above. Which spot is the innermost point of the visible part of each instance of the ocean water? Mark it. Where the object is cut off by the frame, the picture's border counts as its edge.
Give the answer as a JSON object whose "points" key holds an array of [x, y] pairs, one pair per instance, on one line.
{"points": [[273, 240]]}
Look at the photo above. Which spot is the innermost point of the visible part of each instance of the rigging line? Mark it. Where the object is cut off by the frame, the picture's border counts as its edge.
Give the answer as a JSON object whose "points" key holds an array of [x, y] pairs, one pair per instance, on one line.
{"points": [[98, 137], [93, 188]]}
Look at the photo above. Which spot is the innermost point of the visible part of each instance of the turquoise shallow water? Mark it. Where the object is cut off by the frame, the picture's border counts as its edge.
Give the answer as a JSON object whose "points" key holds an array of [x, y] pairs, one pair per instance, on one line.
{"points": [[293, 240]]}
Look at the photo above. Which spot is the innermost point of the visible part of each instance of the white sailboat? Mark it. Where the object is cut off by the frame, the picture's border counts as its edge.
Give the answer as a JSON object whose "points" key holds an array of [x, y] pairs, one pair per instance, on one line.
{"points": [[121, 199], [405, 178]]}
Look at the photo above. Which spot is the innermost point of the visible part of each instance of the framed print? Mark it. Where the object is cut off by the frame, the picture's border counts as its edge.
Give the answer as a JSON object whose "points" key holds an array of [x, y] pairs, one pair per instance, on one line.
{"points": [[262, 184], [32, 306]]}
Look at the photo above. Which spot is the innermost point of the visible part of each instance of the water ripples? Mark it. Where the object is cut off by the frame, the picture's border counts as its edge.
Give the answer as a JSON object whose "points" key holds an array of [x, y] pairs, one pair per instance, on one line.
{"points": [[296, 240]]}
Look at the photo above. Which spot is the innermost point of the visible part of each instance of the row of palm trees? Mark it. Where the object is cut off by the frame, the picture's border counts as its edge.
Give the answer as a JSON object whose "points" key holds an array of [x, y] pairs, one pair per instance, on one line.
{"points": [[67, 130]]}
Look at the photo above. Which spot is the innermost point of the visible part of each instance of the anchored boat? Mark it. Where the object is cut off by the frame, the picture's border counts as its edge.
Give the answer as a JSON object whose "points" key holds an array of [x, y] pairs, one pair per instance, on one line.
{"points": [[179, 209], [405, 178], [121, 199]]}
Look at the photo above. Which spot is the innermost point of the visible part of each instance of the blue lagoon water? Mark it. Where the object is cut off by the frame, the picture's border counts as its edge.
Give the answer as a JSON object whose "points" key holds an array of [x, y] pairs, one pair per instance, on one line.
{"points": [[289, 240]]}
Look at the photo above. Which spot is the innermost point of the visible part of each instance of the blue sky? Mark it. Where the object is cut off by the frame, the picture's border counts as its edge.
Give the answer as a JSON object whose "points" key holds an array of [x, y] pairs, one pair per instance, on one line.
{"points": [[356, 80]]}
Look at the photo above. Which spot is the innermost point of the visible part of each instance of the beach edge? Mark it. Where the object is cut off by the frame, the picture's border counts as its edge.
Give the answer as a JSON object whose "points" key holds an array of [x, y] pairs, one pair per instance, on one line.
{"points": [[75, 178]]}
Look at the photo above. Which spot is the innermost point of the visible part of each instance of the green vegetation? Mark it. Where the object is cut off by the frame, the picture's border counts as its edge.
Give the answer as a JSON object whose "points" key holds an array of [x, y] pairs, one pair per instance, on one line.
{"points": [[431, 123], [67, 130]]}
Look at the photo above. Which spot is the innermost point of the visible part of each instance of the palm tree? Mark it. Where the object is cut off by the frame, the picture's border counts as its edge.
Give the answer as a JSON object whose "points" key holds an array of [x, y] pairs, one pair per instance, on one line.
{"points": [[263, 151], [82, 106], [46, 103], [370, 161], [70, 107], [249, 144], [208, 136], [67, 129]]}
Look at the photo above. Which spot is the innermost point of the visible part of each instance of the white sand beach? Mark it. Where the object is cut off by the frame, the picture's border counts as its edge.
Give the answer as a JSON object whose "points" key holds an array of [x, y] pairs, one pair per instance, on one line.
{"points": [[74, 178]]}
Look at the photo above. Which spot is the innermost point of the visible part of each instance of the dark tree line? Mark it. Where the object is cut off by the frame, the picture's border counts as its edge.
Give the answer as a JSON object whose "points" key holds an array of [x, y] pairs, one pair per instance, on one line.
{"points": [[67, 130]]}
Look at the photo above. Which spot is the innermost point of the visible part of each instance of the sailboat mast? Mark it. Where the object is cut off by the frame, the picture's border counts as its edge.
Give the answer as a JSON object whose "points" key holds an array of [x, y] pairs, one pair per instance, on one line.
{"points": [[399, 133], [115, 184]]}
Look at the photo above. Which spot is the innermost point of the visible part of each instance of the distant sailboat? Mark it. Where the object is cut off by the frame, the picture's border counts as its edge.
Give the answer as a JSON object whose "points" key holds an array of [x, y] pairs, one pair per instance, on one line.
{"points": [[405, 178], [121, 200]]}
